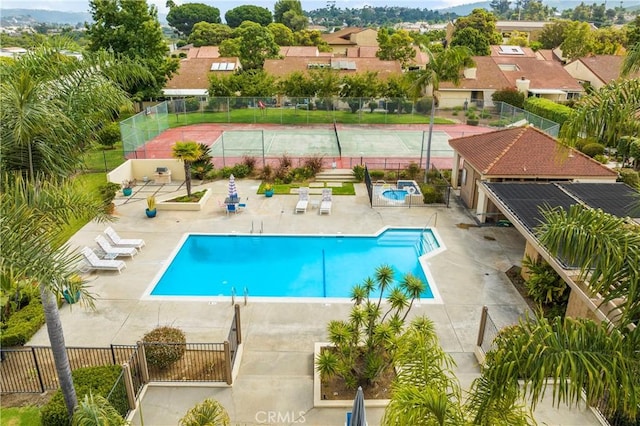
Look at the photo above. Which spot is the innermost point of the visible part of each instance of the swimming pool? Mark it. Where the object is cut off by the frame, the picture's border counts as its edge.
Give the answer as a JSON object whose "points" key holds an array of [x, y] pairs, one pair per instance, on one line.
{"points": [[318, 267], [395, 194]]}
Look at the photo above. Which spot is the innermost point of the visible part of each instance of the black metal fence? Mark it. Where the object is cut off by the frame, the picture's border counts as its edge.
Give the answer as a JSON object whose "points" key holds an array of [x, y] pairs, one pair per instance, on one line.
{"points": [[32, 369]]}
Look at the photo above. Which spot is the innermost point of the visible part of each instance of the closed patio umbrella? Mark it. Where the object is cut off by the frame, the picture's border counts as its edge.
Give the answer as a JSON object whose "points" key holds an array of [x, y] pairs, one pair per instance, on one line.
{"points": [[358, 415], [233, 191]]}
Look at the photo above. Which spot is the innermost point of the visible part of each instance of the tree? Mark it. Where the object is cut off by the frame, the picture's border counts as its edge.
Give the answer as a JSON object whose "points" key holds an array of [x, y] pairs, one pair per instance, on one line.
{"points": [[552, 34], [184, 17], [608, 41], [297, 85], [361, 87], [238, 15], [282, 35], [578, 40], [608, 114], [289, 13], [207, 413], [255, 82], [397, 47], [311, 38], [500, 8], [187, 152], [474, 40], [131, 28], [534, 10], [206, 34], [483, 21], [252, 43], [631, 62]]}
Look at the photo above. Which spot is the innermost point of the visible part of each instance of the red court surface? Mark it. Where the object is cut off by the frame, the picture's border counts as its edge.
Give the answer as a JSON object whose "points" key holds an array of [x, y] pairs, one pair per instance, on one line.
{"points": [[161, 145]]}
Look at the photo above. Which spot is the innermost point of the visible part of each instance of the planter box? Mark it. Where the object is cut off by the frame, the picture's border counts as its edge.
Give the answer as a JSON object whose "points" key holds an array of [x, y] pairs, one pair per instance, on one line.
{"points": [[169, 205], [336, 403]]}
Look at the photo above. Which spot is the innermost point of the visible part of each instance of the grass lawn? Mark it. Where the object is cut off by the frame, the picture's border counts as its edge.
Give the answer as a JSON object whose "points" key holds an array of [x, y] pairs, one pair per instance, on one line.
{"points": [[17, 416], [99, 159], [293, 116]]}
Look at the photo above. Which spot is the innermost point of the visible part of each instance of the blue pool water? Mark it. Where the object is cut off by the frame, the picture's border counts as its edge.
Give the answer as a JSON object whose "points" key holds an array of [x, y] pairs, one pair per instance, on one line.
{"points": [[395, 194], [291, 266]]}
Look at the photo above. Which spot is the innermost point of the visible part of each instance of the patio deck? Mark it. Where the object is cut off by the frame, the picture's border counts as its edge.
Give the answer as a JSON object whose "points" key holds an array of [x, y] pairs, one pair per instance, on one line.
{"points": [[276, 370]]}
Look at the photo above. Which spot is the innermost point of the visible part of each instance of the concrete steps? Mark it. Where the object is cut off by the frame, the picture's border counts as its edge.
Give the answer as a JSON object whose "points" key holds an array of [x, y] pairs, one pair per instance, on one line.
{"points": [[336, 175]]}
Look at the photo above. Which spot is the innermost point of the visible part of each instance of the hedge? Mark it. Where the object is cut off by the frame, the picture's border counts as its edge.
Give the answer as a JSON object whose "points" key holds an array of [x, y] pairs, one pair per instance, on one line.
{"points": [[548, 109], [23, 324], [98, 380]]}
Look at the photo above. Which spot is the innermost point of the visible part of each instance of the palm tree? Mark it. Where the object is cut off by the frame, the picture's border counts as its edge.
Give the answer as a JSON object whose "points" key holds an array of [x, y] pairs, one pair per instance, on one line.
{"points": [[51, 107], [207, 413], [30, 222], [444, 66], [96, 411], [631, 63], [608, 114], [570, 355], [187, 152]]}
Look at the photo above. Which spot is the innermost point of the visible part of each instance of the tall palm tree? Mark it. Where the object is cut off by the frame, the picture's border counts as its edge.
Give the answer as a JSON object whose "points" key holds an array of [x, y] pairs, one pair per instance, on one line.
{"points": [[444, 66], [187, 152], [31, 216], [51, 106]]}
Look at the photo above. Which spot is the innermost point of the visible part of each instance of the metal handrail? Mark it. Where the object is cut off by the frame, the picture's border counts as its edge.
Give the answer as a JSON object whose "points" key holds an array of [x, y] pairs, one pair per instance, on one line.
{"points": [[246, 295]]}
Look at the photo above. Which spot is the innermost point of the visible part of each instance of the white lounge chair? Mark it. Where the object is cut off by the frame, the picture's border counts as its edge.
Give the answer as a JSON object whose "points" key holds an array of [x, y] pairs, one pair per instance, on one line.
{"points": [[95, 263], [325, 203], [123, 242], [113, 252], [303, 200]]}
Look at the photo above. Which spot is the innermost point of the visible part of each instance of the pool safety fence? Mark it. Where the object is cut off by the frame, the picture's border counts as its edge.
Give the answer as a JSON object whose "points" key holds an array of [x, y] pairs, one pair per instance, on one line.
{"points": [[430, 194], [31, 369]]}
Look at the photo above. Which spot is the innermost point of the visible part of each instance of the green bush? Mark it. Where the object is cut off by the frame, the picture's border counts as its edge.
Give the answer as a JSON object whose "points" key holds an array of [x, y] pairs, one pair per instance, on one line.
{"points": [[23, 324], [548, 109], [509, 96], [407, 107], [372, 106], [499, 123], [544, 285], [431, 194], [358, 172], [630, 177], [240, 170], [423, 106], [164, 346], [376, 174], [109, 135], [593, 149], [600, 158], [98, 380], [192, 104]]}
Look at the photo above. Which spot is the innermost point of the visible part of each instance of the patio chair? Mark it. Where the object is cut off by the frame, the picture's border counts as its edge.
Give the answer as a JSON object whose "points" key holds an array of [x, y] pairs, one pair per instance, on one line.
{"points": [[232, 208], [325, 203], [95, 263], [113, 252], [303, 200], [123, 242]]}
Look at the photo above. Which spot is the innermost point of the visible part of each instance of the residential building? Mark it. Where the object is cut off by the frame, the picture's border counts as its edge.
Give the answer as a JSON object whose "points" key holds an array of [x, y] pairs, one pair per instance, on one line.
{"points": [[192, 78], [345, 65], [340, 40], [597, 70]]}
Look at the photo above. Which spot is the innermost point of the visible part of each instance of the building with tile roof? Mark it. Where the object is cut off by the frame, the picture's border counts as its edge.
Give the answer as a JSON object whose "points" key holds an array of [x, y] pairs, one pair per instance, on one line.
{"points": [[192, 78], [340, 40], [597, 70], [517, 154], [344, 65], [534, 73]]}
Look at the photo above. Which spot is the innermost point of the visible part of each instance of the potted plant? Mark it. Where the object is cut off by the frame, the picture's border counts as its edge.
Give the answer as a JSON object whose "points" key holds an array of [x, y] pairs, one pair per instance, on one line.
{"points": [[151, 206], [268, 190], [127, 187], [71, 293]]}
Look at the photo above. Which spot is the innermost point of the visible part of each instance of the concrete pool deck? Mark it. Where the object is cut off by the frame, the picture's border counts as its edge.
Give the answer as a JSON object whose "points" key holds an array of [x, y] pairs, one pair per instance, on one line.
{"points": [[275, 380]]}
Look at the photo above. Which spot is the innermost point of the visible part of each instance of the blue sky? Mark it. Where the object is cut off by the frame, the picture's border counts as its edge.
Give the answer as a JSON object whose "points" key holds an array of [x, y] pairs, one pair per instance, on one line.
{"points": [[224, 5]]}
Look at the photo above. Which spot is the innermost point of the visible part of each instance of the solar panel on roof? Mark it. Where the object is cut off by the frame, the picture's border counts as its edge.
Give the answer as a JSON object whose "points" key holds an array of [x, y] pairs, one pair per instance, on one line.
{"points": [[617, 199]]}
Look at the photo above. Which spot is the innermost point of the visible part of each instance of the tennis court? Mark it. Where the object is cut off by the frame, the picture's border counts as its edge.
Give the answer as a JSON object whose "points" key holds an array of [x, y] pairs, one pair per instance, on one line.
{"points": [[346, 145]]}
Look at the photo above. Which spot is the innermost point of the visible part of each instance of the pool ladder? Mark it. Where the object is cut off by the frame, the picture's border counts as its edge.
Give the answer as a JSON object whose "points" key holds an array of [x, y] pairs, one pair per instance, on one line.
{"points": [[261, 227], [245, 295]]}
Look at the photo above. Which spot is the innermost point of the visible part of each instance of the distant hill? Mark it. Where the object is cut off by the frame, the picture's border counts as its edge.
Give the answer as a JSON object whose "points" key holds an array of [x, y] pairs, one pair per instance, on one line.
{"points": [[45, 16], [561, 5]]}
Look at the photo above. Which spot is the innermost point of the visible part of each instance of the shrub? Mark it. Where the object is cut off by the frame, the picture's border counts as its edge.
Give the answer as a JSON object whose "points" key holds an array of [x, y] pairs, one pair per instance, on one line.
{"points": [[250, 162], [98, 381], [109, 135], [164, 346], [509, 95], [226, 171], [423, 106], [192, 104], [544, 285], [630, 177], [548, 109], [208, 412], [593, 149], [266, 173], [372, 106], [314, 164], [407, 107], [358, 172], [107, 194], [376, 174], [431, 194], [240, 170], [23, 324], [600, 158]]}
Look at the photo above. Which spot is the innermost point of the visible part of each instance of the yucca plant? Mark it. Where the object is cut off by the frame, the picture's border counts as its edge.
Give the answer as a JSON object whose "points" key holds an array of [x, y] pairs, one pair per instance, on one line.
{"points": [[207, 413]]}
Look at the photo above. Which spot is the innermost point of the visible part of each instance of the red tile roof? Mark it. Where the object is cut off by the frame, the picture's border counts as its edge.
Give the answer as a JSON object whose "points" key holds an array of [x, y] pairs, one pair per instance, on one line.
{"points": [[299, 51], [194, 73], [285, 66], [203, 52], [526, 152], [488, 76], [605, 67]]}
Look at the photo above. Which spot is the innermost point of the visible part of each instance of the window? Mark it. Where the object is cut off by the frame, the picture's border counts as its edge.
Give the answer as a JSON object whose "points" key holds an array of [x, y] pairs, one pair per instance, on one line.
{"points": [[510, 50], [508, 67]]}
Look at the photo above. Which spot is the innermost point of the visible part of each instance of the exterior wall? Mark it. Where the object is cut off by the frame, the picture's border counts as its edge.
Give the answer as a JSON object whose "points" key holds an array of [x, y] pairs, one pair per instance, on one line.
{"points": [[579, 71], [138, 169], [453, 98], [468, 186], [554, 97], [530, 252]]}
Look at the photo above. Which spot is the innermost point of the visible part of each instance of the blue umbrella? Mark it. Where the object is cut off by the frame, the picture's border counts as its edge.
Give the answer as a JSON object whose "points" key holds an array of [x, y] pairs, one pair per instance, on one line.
{"points": [[358, 415], [233, 191]]}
